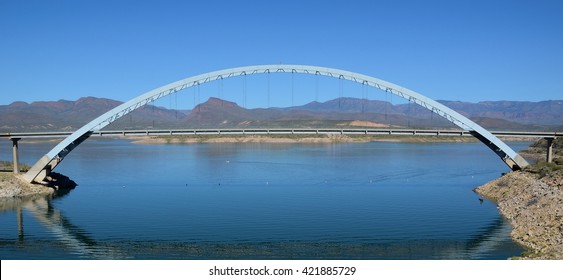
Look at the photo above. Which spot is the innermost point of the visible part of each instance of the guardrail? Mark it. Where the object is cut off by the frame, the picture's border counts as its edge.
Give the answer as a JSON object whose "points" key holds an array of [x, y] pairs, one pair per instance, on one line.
{"points": [[280, 131]]}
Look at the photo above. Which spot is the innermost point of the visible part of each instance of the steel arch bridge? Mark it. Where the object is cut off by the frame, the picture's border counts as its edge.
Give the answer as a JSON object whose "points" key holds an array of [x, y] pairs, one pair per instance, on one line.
{"points": [[49, 161]]}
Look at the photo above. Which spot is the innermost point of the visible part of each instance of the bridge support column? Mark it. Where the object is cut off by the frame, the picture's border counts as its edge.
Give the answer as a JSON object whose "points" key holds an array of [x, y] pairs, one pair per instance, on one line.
{"points": [[16, 156], [549, 156], [20, 224]]}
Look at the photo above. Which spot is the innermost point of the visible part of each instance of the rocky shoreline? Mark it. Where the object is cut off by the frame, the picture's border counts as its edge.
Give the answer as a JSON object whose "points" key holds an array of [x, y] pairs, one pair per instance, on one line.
{"points": [[13, 186], [533, 203]]}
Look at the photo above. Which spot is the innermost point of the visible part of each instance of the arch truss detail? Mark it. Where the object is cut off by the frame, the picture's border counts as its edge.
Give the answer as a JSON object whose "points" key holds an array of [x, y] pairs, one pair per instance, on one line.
{"points": [[49, 161]]}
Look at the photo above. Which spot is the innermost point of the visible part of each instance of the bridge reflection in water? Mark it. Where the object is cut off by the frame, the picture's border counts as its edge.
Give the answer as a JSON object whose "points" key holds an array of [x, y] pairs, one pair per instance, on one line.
{"points": [[75, 242], [73, 239]]}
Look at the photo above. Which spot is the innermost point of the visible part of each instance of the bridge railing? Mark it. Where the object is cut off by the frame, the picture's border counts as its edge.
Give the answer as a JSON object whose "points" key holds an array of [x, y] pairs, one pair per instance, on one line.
{"points": [[278, 131]]}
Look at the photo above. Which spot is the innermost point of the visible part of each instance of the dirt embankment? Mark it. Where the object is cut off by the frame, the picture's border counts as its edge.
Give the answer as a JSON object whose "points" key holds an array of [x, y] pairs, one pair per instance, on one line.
{"points": [[13, 186], [533, 202]]}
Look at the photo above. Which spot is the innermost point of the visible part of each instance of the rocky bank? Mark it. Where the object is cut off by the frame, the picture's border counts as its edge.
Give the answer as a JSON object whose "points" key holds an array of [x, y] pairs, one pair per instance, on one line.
{"points": [[13, 186], [533, 202]]}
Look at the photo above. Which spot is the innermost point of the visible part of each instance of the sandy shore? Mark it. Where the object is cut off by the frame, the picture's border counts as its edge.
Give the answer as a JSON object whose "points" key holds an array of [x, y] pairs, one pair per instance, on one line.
{"points": [[534, 206]]}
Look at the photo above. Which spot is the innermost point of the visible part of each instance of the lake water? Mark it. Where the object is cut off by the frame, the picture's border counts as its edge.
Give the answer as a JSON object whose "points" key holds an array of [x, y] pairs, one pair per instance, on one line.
{"points": [[263, 201]]}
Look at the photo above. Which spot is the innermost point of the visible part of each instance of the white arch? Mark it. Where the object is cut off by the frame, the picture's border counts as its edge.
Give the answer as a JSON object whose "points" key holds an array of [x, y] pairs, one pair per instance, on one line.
{"points": [[49, 161]]}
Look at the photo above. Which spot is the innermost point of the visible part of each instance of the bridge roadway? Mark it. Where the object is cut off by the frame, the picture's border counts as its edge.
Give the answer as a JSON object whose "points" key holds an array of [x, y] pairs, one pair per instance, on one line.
{"points": [[280, 131]]}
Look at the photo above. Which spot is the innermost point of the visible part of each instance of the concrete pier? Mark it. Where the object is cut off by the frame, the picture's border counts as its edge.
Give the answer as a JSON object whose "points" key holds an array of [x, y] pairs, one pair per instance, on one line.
{"points": [[549, 156], [16, 156]]}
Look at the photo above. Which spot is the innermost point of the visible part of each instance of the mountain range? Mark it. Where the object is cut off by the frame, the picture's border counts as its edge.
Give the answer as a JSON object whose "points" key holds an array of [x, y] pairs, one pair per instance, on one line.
{"points": [[64, 115]]}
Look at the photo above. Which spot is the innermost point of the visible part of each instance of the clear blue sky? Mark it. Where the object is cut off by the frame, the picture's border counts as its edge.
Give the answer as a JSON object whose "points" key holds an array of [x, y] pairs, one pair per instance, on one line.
{"points": [[453, 50]]}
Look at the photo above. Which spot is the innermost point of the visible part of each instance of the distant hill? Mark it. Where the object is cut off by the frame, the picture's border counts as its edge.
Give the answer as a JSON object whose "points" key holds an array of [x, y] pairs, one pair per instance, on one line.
{"points": [[539, 113], [338, 112], [69, 115], [215, 113]]}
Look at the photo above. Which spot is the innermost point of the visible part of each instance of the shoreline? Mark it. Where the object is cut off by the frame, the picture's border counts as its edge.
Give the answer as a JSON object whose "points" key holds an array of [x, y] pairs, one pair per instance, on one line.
{"points": [[12, 186], [534, 206], [304, 138]]}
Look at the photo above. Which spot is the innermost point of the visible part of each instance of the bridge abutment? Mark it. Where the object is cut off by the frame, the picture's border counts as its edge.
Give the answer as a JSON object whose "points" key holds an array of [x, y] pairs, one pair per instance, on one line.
{"points": [[39, 170]]}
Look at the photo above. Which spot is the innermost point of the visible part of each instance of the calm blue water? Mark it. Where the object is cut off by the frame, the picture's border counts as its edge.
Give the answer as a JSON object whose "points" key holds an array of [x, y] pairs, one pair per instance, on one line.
{"points": [[263, 201]]}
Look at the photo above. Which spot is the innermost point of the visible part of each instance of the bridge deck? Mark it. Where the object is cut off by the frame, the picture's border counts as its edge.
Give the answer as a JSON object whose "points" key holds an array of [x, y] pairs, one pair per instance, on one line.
{"points": [[281, 131]]}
